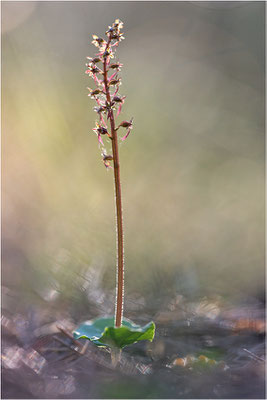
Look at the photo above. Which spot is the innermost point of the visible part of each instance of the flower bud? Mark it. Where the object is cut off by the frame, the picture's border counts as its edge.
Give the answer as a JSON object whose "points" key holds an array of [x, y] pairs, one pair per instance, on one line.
{"points": [[117, 99], [117, 36], [94, 92], [92, 69], [102, 130], [98, 128], [114, 82], [118, 24], [107, 158], [126, 124], [94, 60], [110, 29], [99, 109], [97, 41], [116, 66]]}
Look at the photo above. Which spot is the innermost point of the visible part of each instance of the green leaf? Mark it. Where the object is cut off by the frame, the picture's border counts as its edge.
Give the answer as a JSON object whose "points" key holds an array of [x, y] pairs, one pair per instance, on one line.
{"points": [[102, 332]]}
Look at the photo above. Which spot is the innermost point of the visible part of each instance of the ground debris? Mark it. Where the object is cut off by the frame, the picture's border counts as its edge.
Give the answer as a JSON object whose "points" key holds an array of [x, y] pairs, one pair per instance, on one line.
{"points": [[14, 357], [192, 362], [191, 349], [249, 324], [61, 346]]}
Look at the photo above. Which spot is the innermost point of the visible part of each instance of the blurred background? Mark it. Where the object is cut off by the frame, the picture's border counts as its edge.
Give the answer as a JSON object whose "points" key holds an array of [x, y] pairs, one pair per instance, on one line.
{"points": [[192, 168], [193, 196]]}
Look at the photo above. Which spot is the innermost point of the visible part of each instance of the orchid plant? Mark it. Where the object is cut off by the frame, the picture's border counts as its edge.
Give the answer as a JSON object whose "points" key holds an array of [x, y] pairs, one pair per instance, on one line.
{"points": [[113, 332]]}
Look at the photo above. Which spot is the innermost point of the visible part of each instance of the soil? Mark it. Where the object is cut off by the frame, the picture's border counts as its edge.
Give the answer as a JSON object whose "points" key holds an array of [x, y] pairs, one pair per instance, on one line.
{"points": [[206, 348]]}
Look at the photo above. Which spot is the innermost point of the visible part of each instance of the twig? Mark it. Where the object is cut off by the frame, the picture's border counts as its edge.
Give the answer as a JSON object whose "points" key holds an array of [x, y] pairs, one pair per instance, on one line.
{"points": [[254, 356], [69, 335]]}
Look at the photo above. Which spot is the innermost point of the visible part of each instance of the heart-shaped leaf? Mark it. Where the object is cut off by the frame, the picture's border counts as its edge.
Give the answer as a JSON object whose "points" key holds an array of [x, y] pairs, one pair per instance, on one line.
{"points": [[102, 332]]}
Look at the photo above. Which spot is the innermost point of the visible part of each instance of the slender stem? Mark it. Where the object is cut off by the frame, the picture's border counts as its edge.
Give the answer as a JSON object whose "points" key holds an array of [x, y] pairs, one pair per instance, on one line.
{"points": [[116, 164], [115, 356]]}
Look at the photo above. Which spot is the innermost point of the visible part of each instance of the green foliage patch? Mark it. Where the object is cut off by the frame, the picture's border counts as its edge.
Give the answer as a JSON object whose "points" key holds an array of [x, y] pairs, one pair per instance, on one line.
{"points": [[102, 332]]}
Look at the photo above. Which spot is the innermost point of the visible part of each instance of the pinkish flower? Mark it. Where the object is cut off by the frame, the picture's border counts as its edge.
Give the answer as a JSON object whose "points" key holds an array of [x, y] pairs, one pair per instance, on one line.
{"points": [[118, 24], [99, 110], [108, 53], [107, 87], [119, 100], [116, 66], [100, 130], [128, 125], [117, 36], [93, 69], [95, 92], [106, 160], [94, 60], [98, 42], [114, 82], [114, 30]]}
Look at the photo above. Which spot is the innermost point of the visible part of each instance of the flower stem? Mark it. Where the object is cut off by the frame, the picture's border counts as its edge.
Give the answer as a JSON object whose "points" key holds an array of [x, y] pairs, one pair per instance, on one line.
{"points": [[116, 164], [115, 356]]}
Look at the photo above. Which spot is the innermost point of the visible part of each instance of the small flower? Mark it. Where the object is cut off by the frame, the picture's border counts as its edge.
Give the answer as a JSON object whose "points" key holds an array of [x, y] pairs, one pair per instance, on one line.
{"points": [[108, 157], [116, 66], [110, 30], [97, 41], [94, 93], [100, 130], [126, 124], [99, 109], [106, 160], [114, 82], [118, 24], [92, 69], [114, 30], [108, 53], [94, 60], [117, 36], [120, 101]]}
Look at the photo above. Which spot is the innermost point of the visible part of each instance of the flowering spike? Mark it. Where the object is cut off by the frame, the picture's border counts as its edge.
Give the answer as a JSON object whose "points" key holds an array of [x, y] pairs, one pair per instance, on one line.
{"points": [[106, 103]]}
